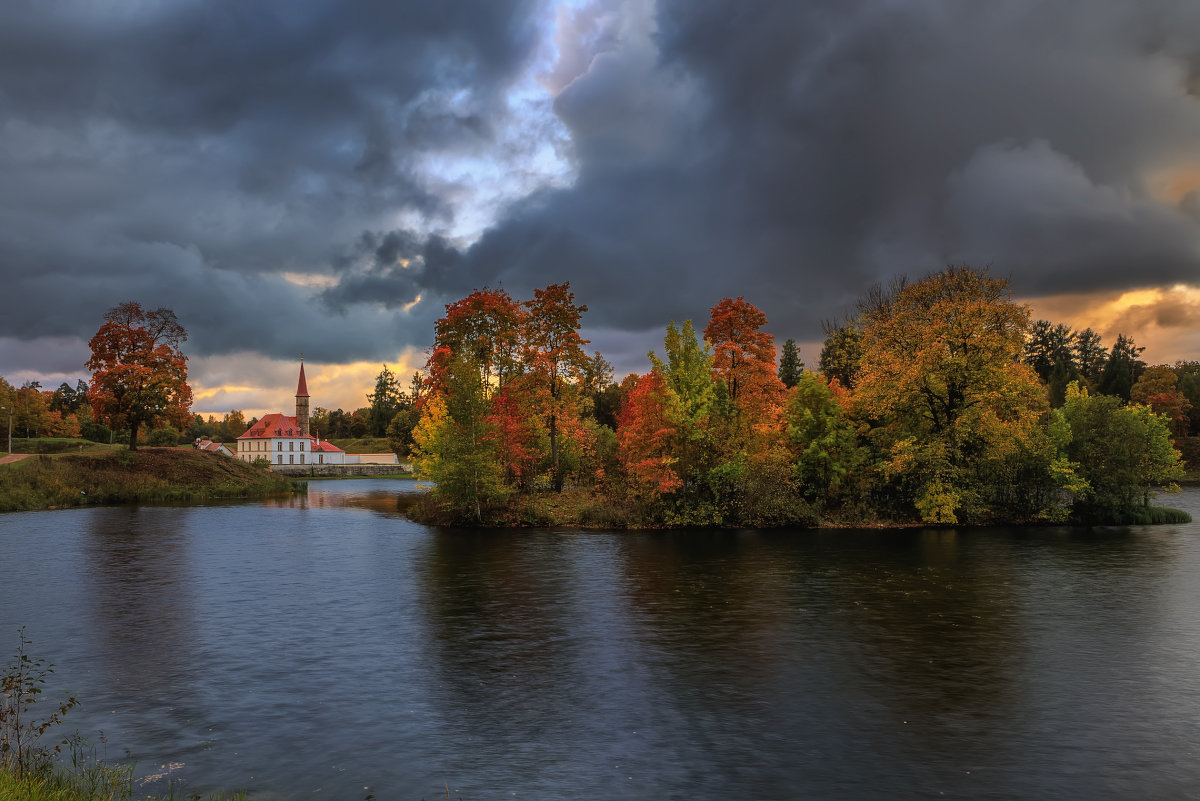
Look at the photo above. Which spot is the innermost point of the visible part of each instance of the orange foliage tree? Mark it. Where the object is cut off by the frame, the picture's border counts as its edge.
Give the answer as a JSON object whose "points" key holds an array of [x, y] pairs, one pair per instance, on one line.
{"points": [[554, 355], [139, 373], [743, 356]]}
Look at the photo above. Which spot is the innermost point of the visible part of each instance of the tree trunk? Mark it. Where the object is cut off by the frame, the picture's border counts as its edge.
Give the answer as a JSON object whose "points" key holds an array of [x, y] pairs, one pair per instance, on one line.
{"points": [[133, 429], [554, 452]]}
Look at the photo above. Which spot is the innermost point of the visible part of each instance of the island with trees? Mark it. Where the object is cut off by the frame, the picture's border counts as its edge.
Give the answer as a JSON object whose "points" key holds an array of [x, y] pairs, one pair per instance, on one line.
{"points": [[938, 401]]}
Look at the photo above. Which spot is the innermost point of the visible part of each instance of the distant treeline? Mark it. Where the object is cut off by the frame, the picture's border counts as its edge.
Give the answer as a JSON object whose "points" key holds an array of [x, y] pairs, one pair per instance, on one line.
{"points": [[937, 401]]}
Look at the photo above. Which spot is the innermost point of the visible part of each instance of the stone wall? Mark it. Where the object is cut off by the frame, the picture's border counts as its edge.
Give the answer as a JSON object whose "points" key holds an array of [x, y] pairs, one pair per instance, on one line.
{"points": [[301, 470]]}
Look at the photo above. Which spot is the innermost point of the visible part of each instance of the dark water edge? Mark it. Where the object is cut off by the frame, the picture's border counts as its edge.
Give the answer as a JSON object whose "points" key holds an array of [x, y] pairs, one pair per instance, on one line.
{"points": [[327, 647]]}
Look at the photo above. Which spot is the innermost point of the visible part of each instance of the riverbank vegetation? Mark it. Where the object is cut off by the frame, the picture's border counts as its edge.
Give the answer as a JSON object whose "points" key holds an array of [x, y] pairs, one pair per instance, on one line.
{"points": [[121, 476], [937, 402], [38, 763]]}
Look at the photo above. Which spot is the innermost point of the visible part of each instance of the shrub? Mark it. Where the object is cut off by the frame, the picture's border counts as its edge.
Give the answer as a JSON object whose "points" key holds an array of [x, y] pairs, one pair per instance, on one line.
{"points": [[96, 432], [162, 437]]}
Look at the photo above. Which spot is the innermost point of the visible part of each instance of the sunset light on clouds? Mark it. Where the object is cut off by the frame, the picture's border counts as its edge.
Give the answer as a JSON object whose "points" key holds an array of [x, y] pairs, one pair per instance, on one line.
{"points": [[322, 177]]}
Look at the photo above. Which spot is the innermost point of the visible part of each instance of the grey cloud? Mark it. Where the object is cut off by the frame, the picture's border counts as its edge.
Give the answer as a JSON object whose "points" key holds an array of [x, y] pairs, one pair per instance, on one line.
{"points": [[188, 154], [794, 153], [798, 152]]}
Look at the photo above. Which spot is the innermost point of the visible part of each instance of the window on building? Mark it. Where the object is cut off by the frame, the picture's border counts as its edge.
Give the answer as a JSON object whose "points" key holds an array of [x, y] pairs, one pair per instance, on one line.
{"points": [[301, 446], [321, 459], [302, 458], [280, 447], [291, 446]]}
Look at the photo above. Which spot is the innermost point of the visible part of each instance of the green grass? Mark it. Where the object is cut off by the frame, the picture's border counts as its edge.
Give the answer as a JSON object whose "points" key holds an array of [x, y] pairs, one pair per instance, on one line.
{"points": [[55, 445], [92, 782], [143, 476], [364, 445]]}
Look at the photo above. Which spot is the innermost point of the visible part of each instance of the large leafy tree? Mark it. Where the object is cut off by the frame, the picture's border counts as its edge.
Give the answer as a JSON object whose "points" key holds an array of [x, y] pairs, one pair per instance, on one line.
{"points": [[554, 357], [689, 393], [646, 437], [943, 384], [139, 373], [486, 328], [456, 447], [825, 444], [743, 354], [1123, 451], [1158, 388]]}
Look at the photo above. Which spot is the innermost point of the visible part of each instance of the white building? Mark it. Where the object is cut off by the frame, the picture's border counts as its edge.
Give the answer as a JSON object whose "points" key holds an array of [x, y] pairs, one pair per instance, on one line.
{"points": [[285, 440]]}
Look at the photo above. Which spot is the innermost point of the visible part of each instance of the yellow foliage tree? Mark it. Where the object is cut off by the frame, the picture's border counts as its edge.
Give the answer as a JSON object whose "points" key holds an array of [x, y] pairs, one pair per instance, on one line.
{"points": [[954, 409]]}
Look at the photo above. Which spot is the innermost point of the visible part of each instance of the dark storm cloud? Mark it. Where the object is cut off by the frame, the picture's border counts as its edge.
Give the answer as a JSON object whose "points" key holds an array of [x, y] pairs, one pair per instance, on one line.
{"points": [[188, 154], [798, 152], [191, 154]]}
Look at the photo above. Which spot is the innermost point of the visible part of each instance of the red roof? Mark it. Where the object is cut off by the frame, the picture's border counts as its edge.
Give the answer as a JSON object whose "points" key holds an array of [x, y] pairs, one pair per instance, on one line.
{"points": [[273, 425], [302, 387], [280, 425]]}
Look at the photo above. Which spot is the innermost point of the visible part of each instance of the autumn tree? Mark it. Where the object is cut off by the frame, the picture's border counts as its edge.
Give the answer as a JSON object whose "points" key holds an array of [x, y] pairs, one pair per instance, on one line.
{"points": [[743, 355], [455, 446], [942, 383], [646, 437], [554, 356], [790, 365], [32, 410], [1158, 388], [486, 328], [139, 373]]}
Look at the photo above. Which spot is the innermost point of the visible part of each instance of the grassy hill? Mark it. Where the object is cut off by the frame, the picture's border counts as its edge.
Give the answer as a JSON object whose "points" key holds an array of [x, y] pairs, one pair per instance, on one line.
{"points": [[142, 476]]}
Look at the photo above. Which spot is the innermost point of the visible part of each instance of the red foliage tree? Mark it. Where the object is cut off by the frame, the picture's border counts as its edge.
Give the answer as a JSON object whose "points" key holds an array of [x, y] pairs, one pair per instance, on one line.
{"points": [[139, 374], [514, 433], [485, 328], [646, 435]]}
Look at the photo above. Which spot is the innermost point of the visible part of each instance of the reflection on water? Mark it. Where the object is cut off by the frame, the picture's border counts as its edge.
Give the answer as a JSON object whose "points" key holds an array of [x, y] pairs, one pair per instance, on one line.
{"points": [[327, 646]]}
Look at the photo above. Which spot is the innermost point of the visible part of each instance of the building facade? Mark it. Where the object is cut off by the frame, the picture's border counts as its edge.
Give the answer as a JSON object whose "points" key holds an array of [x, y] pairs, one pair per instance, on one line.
{"points": [[284, 440]]}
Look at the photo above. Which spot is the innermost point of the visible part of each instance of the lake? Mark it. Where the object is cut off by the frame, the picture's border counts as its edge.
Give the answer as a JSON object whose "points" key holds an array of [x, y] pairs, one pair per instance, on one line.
{"points": [[326, 647]]}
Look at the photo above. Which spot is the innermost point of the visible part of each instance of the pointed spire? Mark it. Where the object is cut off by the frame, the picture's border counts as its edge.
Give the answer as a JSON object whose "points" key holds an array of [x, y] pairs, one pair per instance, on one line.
{"points": [[302, 387]]}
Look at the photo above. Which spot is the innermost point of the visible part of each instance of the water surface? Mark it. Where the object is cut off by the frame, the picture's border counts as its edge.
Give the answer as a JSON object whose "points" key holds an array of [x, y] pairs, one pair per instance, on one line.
{"points": [[329, 648]]}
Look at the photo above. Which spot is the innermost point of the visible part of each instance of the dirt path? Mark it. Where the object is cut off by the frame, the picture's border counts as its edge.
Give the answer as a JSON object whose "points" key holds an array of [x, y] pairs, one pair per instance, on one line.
{"points": [[9, 458]]}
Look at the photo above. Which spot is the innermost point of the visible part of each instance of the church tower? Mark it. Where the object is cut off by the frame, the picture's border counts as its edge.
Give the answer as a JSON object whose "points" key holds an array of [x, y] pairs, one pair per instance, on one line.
{"points": [[302, 402]]}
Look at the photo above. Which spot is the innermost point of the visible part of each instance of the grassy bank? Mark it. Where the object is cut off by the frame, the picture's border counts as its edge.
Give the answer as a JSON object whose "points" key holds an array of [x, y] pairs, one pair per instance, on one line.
{"points": [[364, 445], [93, 783], [58, 445], [143, 476], [582, 508]]}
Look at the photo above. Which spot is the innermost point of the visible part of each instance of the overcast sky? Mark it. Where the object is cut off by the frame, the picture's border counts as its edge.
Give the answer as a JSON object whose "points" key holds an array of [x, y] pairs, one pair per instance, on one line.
{"points": [[321, 177]]}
